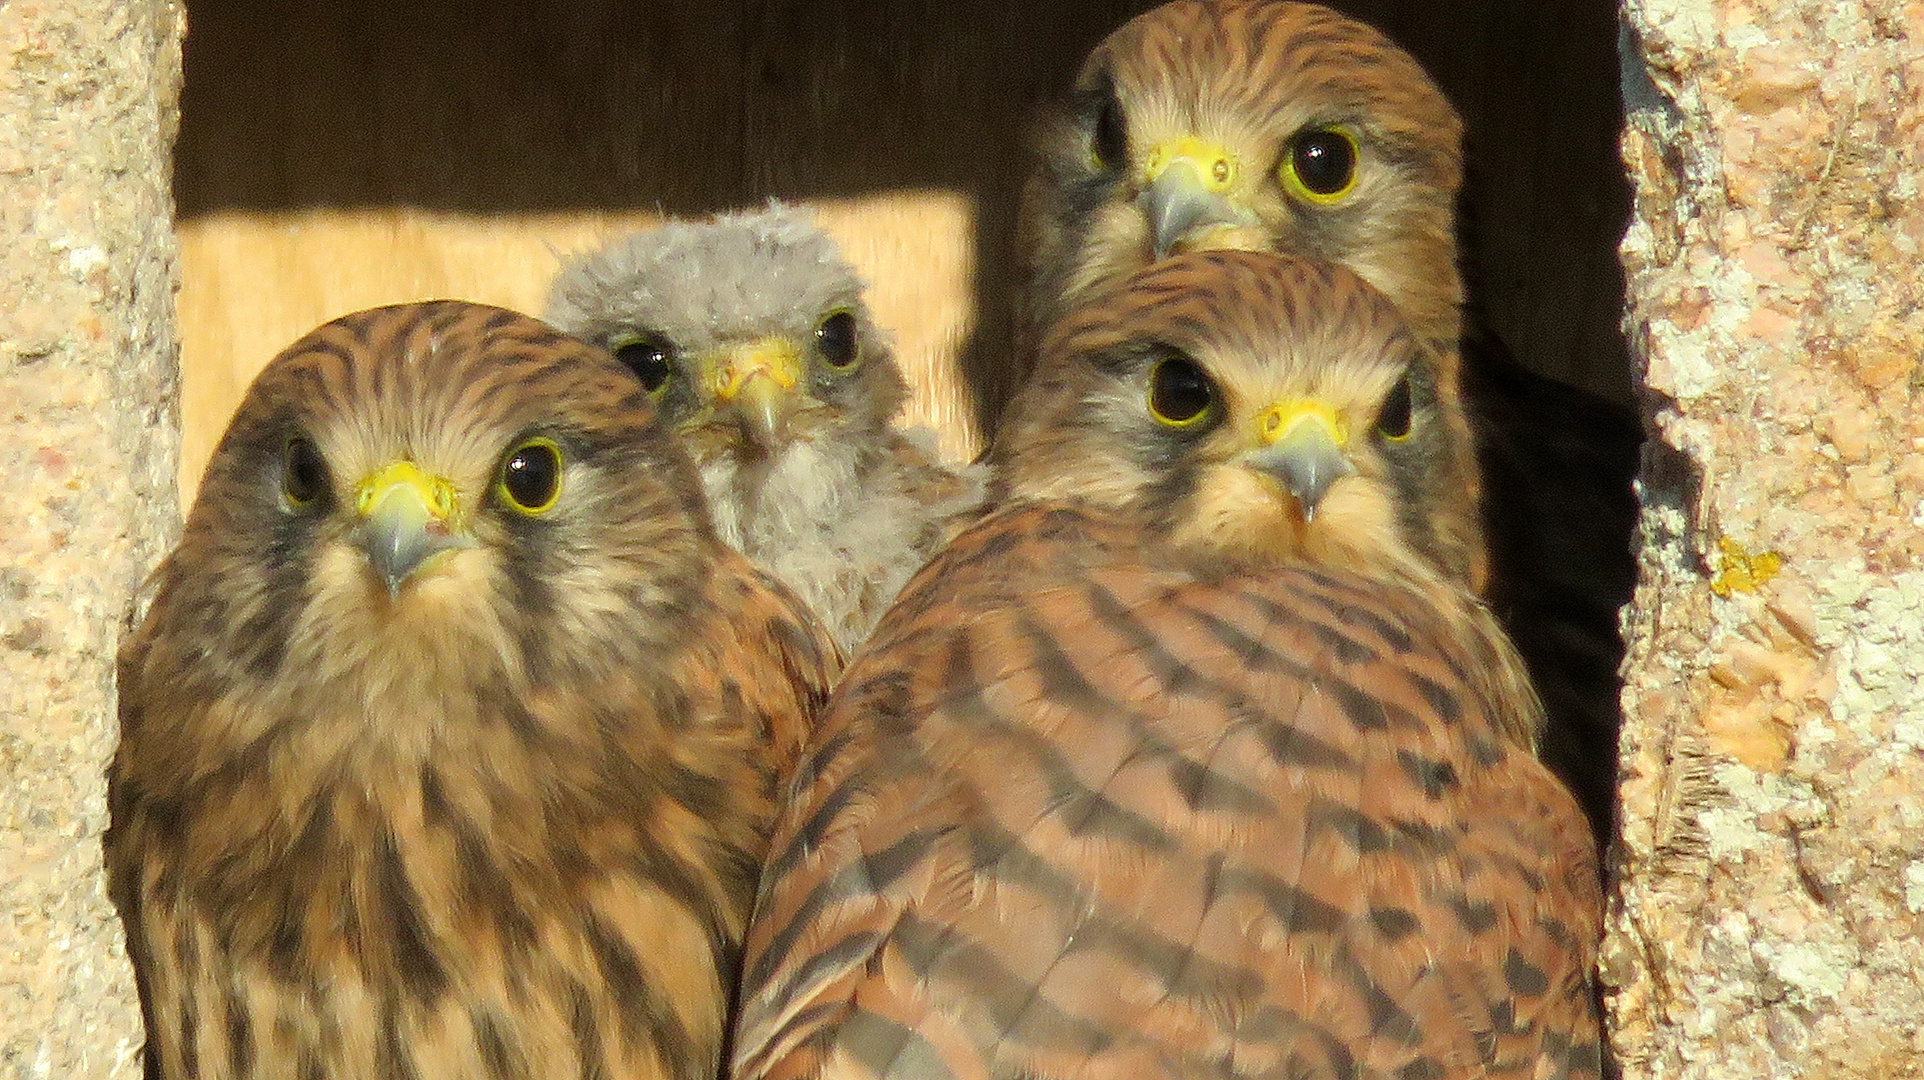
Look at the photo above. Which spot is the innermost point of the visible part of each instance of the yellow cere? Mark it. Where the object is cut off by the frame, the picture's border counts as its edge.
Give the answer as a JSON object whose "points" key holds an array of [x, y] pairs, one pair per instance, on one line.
{"points": [[1277, 421], [436, 494], [1214, 165], [1738, 571], [776, 357]]}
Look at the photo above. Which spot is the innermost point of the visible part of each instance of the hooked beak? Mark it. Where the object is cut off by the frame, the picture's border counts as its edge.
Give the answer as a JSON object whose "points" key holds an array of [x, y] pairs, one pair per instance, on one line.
{"points": [[757, 383], [1302, 447], [1187, 192], [405, 515]]}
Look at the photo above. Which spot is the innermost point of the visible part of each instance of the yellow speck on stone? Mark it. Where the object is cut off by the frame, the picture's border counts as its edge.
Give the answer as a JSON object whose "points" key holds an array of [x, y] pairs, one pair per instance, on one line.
{"points": [[1738, 571]]}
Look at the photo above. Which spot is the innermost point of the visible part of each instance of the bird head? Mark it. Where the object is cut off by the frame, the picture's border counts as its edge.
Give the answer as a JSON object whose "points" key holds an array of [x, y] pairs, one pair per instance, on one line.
{"points": [[749, 330], [1254, 125], [413, 491], [1249, 408]]}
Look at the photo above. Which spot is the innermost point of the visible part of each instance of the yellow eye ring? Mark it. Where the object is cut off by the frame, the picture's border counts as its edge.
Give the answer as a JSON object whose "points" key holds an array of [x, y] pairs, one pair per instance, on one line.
{"points": [[1393, 420], [530, 481], [1180, 393], [1319, 165], [1108, 134], [303, 472]]}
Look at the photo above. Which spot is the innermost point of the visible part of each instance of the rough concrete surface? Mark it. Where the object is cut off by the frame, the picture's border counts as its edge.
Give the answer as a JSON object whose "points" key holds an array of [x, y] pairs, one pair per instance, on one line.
{"points": [[1772, 862], [88, 437]]}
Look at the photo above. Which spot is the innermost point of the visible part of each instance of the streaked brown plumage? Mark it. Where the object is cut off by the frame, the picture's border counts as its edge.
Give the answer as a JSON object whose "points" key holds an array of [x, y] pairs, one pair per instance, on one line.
{"points": [[1140, 781], [463, 770], [1257, 124]]}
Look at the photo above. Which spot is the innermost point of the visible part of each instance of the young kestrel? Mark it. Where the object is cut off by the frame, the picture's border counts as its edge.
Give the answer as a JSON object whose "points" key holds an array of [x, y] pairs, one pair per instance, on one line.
{"points": [[450, 744], [1195, 759], [751, 333], [1266, 125]]}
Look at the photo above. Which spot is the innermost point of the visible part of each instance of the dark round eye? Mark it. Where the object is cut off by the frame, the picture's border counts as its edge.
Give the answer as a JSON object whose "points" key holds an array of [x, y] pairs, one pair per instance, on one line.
{"points": [[531, 476], [1179, 392], [1393, 419], [1109, 143], [1321, 165], [303, 471], [835, 339], [651, 358]]}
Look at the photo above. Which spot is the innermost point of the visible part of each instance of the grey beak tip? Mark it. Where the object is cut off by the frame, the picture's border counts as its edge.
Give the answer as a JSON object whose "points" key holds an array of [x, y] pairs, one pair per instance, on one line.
{"points": [[1309, 483], [1307, 471], [394, 555]]}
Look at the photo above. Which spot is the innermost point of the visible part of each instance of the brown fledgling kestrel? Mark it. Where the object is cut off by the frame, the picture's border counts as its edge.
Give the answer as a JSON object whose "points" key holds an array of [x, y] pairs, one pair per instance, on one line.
{"points": [[751, 333], [451, 742], [1265, 125], [1195, 759]]}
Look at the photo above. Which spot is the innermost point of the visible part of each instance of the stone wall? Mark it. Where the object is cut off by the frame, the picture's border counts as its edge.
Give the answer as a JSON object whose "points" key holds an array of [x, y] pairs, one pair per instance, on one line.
{"points": [[88, 437], [1772, 898]]}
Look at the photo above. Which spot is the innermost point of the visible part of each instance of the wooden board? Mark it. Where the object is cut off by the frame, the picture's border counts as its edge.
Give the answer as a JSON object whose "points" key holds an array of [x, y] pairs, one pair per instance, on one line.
{"points": [[255, 281]]}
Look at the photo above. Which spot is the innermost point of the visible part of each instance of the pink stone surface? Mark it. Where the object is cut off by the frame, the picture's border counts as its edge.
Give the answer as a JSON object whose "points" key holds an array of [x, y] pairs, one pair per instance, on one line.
{"points": [[1770, 913], [90, 433]]}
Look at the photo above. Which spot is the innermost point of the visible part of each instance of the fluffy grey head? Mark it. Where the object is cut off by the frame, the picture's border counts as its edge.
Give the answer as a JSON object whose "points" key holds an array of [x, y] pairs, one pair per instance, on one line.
{"points": [[696, 307], [736, 275]]}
